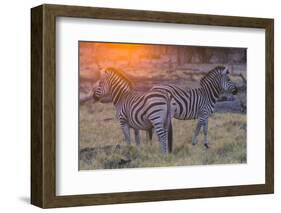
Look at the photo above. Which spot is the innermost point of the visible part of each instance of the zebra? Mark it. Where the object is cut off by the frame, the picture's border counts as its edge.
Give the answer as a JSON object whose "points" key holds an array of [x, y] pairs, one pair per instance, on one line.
{"points": [[137, 111], [199, 103]]}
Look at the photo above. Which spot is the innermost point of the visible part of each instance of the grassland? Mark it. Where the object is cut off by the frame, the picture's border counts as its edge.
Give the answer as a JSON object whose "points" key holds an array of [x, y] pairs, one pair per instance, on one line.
{"points": [[102, 145]]}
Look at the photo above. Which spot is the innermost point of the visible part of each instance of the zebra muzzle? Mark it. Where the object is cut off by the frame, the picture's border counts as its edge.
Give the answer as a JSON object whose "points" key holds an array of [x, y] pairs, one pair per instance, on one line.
{"points": [[96, 98], [235, 91]]}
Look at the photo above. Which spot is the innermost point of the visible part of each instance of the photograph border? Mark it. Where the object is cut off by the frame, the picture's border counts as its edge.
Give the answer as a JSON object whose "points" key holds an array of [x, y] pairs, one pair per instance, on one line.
{"points": [[130, 43], [43, 105]]}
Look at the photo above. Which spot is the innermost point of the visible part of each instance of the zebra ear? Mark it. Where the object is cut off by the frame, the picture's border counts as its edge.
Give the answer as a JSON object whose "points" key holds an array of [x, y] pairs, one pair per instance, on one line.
{"points": [[95, 85], [225, 71], [102, 72]]}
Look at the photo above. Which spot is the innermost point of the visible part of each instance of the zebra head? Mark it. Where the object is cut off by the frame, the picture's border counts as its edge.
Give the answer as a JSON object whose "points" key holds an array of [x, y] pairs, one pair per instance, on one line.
{"points": [[217, 81], [102, 89], [113, 82], [226, 83]]}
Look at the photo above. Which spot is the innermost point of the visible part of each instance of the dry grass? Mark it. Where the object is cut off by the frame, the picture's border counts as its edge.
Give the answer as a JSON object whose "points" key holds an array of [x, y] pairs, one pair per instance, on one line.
{"points": [[102, 146]]}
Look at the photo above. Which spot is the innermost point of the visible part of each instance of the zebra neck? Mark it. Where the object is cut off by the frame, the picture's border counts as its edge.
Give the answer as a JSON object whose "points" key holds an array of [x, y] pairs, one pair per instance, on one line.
{"points": [[212, 91], [118, 93]]}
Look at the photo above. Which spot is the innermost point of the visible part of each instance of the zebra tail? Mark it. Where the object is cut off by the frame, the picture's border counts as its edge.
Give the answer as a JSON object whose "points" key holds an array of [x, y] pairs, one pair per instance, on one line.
{"points": [[170, 138], [150, 133], [169, 123]]}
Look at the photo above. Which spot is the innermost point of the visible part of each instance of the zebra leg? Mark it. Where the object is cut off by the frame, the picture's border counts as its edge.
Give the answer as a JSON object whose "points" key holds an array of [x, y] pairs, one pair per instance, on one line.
{"points": [[196, 133], [205, 130], [137, 137], [126, 132], [162, 134]]}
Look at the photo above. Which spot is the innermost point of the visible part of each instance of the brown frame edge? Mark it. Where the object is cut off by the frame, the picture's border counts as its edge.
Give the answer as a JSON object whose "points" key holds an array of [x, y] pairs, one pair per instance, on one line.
{"points": [[43, 105]]}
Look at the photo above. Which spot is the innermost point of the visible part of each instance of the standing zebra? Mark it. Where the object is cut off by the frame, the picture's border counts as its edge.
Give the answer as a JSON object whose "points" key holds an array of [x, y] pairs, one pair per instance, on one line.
{"points": [[138, 111], [199, 103]]}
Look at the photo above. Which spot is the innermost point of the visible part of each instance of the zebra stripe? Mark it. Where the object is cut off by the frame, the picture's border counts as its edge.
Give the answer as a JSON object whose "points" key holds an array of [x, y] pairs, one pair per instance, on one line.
{"points": [[138, 111], [199, 103]]}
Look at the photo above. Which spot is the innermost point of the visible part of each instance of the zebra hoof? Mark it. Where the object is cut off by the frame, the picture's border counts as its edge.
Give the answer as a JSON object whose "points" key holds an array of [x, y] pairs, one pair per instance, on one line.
{"points": [[206, 145]]}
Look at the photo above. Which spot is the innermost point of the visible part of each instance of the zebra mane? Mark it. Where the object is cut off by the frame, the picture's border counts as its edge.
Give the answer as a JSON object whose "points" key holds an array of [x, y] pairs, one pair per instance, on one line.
{"points": [[120, 74], [214, 72]]}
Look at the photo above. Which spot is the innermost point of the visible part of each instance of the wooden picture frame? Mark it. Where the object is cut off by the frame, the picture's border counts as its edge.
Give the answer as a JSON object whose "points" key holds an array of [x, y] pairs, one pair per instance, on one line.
{"points": [[43, 105]]}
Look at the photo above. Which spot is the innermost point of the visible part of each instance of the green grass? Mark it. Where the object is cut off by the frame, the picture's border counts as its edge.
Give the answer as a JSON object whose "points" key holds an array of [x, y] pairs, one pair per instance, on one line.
{"points": [[102, 145]]}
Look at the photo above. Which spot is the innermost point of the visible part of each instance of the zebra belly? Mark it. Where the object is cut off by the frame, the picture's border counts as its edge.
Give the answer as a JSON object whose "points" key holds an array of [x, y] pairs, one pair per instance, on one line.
{"points": [[144, 126], [181, 117], [189, 115]]}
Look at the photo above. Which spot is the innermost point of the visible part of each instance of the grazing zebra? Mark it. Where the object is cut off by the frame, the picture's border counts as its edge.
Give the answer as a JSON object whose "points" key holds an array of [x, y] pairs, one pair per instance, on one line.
{"points": [[199, 103], [138, 111]]}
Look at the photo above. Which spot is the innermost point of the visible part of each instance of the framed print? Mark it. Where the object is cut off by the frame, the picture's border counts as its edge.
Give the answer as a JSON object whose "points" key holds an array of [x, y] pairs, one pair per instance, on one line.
{"points": [[136, 106]]}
